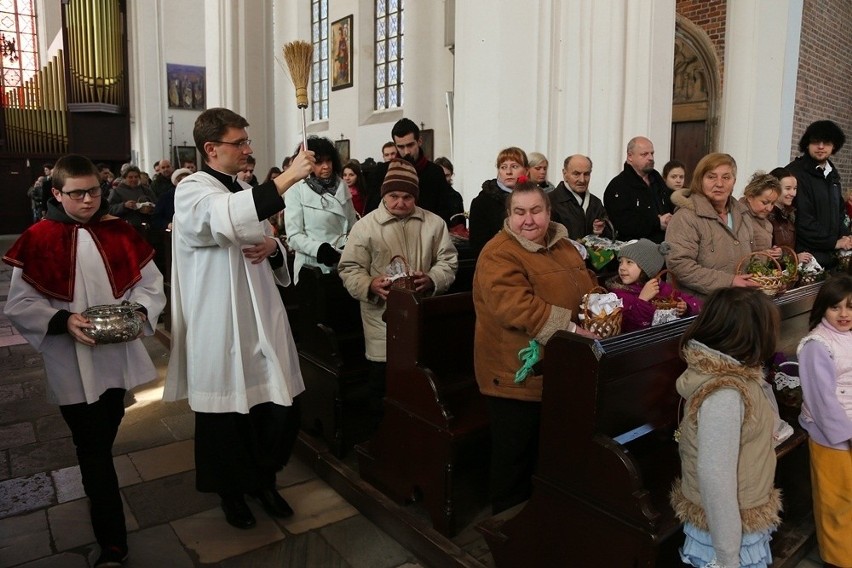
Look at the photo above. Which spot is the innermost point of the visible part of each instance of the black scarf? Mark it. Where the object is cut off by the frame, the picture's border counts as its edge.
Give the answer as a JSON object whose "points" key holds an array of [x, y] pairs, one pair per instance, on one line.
{"points": [[322, 186]]}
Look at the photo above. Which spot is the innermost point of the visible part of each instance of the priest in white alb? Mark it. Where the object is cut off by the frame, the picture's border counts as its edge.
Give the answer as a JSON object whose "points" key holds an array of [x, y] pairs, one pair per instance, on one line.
{"points": [[233, 354]]}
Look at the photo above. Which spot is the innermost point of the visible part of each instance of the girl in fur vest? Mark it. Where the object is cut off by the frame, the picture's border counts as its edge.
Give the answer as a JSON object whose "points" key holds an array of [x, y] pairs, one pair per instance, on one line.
{"points": [[825, 369], [726, 497], [635, 284]]}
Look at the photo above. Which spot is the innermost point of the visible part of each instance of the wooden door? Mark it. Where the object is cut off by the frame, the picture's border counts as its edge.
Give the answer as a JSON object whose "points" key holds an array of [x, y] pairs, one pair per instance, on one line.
{"points": [[16, 212], [695, 89], [689, 144]]}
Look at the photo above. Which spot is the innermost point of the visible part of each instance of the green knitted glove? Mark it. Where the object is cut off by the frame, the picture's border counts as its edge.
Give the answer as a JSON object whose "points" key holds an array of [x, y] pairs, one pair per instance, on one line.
{"points": [[528, 356]]}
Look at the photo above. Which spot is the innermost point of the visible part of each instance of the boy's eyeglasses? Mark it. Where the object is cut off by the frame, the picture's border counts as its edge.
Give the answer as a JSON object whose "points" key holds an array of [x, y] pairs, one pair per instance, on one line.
{"points": [[79, 194]]}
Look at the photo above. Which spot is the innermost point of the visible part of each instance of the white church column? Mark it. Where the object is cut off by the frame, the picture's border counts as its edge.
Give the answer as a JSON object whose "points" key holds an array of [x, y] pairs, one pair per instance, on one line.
{"points": [[239, 61], [761, 61], [291, 21], [561, 78], [148, 119]]}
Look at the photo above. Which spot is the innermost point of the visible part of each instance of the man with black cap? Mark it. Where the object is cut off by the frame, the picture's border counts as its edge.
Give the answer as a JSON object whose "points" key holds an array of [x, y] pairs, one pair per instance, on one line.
{"points": [[820, 210], [397, 227]]}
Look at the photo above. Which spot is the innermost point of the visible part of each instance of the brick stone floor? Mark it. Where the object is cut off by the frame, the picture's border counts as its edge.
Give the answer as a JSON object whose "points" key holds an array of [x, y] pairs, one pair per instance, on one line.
{"points": [[44, 519]]}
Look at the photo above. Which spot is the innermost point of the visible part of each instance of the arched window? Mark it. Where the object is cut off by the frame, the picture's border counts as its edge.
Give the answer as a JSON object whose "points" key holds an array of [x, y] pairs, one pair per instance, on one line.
{"points": [[18, 43]]}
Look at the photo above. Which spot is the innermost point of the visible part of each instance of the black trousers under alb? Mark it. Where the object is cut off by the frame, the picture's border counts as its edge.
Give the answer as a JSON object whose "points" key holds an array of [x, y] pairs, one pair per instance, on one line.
{"points": [[93, 430], [241, 453]]}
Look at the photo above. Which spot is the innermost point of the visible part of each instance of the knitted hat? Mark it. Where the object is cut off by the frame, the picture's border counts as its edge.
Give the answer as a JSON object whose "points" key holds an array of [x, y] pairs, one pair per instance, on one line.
{"points": [[647, 254], [401, 176]]}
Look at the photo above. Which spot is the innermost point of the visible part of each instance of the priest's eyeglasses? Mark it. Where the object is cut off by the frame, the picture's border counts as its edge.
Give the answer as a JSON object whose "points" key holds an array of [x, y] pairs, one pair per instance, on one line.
{"points": [[79, 194], [240, 144]]}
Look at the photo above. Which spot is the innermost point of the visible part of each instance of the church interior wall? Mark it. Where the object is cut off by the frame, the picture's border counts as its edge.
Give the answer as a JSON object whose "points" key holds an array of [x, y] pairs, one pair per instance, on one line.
{"points": [[602, 83], [428, 75], [757, 100], [160, 33], [556, 77]]}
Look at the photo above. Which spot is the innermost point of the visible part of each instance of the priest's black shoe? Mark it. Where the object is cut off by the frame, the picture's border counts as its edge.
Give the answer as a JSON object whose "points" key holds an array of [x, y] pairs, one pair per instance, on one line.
{"points": [[237, 512], [273, 503]]}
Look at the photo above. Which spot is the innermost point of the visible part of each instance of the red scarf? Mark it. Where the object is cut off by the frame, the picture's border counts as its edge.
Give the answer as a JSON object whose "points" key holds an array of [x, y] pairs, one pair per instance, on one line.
{"points": [[47, 254], [420, 164]]}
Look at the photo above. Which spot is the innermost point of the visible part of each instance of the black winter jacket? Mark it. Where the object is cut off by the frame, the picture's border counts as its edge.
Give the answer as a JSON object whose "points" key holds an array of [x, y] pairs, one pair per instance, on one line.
{"points": [[634, 207], [820, 210]]}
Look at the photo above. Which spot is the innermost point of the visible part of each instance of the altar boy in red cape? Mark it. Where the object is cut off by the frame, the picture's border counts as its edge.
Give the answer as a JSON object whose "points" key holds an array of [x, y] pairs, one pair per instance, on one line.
{"points": [[78, 257]]}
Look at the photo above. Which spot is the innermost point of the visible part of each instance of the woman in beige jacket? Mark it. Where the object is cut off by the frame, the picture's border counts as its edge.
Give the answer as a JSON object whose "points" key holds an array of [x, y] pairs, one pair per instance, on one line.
{"points": [[710, 232], [396, 227]]}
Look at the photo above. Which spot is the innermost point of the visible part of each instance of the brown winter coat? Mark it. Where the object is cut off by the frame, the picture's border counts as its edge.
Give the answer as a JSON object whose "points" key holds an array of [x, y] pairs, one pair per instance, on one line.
{"points": [[522, 291], [704, 252]]}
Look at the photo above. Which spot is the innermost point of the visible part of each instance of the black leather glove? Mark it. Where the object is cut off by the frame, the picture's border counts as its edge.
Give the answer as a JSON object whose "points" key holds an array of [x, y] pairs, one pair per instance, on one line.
{"points": [[327, 255]]}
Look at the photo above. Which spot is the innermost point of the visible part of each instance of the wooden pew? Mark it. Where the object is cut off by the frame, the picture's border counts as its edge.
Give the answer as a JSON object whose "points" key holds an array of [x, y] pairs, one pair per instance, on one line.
{"points": [[331, 357], [464, 274], [435, 425], [607, 457], [290, 298]]}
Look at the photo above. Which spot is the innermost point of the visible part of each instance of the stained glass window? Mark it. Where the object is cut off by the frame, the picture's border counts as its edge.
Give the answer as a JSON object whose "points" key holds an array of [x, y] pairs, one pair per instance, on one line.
{"points": [[19, 42], [388, 63], [319, 72]]}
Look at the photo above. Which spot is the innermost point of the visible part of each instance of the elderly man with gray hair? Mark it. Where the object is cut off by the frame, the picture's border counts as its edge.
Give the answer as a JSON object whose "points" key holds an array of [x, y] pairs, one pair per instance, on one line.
{"points": [[573, 204]]}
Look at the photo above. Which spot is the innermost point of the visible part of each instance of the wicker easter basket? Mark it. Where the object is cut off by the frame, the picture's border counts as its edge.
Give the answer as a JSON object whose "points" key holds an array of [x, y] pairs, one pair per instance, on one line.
{"points": [[806, 278], [605, 325], [772, 283], [666, 302], [403, 281], [790, 270]]}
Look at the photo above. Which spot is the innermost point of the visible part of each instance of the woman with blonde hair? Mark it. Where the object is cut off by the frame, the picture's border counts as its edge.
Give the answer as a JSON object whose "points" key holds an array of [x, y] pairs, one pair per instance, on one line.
{"points": [[538, 171], [710, 232], [759, 198]]}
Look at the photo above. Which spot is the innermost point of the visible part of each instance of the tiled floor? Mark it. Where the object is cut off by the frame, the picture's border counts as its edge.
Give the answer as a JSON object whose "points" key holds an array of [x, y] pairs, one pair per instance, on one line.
{"points": [[43, 513]]}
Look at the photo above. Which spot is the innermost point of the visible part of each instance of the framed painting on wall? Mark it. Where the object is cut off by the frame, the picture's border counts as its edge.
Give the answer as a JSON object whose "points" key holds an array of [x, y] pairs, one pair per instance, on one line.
{"points": [[183, 154], [341, 53], [186, 86], [342, 147]]}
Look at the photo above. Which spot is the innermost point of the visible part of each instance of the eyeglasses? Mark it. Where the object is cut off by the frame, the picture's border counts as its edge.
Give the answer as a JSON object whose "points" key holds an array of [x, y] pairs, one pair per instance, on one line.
{"points": [[79, 194], [240, 144]]}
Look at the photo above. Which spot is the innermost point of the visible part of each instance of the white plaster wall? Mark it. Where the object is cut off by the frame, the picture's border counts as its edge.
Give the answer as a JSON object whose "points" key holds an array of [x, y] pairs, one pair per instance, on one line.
{"points": [[160, 32], [288, 18], [49, 23], [762, 51], [239, 61], [182, 44], [428, 74], [584, 77], [495, 97]]}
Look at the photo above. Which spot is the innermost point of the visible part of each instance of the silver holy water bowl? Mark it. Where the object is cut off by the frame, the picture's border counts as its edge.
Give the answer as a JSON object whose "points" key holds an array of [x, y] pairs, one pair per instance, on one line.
{"points": [[114, 323]]}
